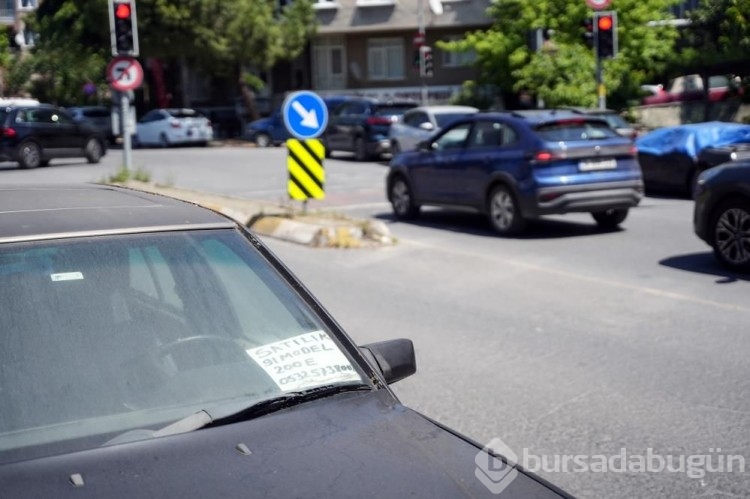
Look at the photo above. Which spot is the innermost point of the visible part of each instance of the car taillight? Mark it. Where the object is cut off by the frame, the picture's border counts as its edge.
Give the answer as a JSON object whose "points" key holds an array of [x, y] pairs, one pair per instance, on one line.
{"points": [[378, 120], [8, 132], [175, 124]]}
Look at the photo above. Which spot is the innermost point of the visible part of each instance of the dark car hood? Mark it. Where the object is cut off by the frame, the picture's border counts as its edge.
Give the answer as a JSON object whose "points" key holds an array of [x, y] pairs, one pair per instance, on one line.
{"points": [[350, 445]]}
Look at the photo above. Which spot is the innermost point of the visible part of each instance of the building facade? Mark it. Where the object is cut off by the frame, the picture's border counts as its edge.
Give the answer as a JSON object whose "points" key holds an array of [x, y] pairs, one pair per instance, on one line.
{"points": [[369, 47]]}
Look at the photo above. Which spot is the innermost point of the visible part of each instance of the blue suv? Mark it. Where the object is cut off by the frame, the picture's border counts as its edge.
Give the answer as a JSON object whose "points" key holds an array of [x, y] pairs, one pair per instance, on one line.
{"points": [[516, 166]]}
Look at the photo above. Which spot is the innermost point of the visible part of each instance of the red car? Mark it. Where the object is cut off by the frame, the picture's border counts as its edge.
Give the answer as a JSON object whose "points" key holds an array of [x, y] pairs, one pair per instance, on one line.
{"points": [[690, 88]]}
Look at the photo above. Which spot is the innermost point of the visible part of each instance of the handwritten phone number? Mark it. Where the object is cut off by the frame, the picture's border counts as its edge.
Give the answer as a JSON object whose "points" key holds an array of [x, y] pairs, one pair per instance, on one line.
{"points": [[317, 372]]}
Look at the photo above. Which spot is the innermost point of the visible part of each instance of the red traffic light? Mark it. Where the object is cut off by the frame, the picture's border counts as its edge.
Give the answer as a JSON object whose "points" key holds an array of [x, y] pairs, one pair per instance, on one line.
{"points": [[122, 11], [605, 23]]}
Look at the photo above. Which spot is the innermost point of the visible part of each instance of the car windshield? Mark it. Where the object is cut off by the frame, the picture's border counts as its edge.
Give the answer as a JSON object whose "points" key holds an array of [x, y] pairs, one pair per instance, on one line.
{"points": [[575, 129], [444, 119], [108, 334]]}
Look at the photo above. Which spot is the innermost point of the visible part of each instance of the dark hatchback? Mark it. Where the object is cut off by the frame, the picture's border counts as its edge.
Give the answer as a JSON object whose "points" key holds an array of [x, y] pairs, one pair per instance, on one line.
{"points": [[153, 348], [34, 135], [361, 125], [721, 214], [518, 166]]}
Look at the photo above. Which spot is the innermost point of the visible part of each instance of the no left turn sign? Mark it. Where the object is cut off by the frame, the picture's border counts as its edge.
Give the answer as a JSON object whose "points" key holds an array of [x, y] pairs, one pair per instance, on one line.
{"points": [[124, 73]]}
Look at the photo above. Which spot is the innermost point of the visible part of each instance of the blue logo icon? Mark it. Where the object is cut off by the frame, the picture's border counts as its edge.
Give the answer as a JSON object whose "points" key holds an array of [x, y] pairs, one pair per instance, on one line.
{"points": [[305, 114]]}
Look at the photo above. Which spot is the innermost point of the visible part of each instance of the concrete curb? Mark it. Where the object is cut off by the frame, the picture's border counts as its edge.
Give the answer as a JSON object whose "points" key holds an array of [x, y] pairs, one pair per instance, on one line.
{"points": [[319, 230]]}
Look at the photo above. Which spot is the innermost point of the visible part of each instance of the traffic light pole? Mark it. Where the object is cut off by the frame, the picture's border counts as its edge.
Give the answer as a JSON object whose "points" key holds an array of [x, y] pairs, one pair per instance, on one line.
{"points": [[127, 145], [601, 90], [421, 31]]}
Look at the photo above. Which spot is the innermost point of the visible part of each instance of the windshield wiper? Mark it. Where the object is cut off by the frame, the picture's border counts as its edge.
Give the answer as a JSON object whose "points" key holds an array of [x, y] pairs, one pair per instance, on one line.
{"points": [[233, 412]]}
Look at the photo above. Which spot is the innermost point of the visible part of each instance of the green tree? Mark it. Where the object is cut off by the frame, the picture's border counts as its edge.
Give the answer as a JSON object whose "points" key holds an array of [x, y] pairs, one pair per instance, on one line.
{"points": [[259, 36], [563, 72]]}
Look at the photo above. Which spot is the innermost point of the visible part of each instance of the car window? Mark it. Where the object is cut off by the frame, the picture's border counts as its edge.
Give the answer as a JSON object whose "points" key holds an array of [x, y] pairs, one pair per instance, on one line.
{"points": [[615, 120], [184, 113], [96, 113], [453, 138], [415, 118], [152, 116], [104, 335], [353, 109], [62, 118], [39, 115], [490, 134], [444, 119], [570, 130]]}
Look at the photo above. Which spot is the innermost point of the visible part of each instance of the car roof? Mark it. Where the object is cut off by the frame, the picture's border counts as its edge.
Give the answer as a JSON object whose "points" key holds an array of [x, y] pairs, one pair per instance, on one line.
{"points": [[440, 109], [541, 116], [590, 110], [50, 212]]}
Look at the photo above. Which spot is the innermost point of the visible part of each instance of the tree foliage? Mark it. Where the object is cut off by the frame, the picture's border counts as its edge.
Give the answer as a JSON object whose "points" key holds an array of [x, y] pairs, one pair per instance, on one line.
{"points": [[217, 36], [563, 72], [719, 33]]}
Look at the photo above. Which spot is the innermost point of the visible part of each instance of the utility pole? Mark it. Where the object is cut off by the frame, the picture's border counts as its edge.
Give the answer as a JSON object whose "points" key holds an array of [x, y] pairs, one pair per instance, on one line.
{"points": [[421, 33]]}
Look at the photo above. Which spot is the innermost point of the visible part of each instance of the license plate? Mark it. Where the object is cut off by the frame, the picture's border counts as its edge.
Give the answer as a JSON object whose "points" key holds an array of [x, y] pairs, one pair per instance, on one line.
{"points": [[604, 164]]}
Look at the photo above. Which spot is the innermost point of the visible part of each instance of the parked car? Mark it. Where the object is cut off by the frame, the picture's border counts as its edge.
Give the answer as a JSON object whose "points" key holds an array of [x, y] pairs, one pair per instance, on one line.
{"points": [[167, 127], [613, 118], [36, 134], [518, 166], [671, 158], [417, 124], [99, 116], [721, 214], [272, 131], [690, 88], [361, 125], [171, 354]]}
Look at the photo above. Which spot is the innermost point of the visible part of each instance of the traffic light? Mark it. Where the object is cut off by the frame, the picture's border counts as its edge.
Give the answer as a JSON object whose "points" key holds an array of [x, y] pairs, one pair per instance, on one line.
{"points": [[606, 39], [124, 27], [426, 69], [588, 32]]}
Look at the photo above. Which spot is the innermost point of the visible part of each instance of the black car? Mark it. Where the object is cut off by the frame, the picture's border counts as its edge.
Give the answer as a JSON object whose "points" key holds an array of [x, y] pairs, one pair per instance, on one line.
{"points": [[99, 116], [361, 125], [34, 135], [154, 348], [722, 213], [519, 166]]}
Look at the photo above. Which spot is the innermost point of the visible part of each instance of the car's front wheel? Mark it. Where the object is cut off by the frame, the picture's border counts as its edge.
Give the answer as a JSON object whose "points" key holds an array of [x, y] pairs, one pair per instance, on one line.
{"points": [[730, 234], [29, 155], [93, 151], [504, 212], [401, 199], [610, 219], [263, 140]]}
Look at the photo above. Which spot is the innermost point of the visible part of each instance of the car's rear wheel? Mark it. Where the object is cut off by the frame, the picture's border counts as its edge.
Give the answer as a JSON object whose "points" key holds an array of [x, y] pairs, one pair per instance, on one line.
{"points": [[730, 234], [401, 199], [610, 219], [504, 212], [263, 140], [29, 155], [360, 149], [93, 151]]}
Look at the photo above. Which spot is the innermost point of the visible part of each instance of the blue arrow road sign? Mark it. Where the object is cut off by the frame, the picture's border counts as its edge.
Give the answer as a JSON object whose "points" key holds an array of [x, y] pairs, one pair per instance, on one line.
{"points": [[305, 114]]}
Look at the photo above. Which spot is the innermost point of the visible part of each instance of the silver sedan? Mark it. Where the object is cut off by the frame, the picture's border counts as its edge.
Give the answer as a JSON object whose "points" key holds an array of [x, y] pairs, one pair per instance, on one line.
{"points": [[421, 122]]}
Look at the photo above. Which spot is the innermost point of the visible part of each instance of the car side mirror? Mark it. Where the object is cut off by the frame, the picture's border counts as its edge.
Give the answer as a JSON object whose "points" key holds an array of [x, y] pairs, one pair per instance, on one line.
{"points": [[394, 358], [426, 126]]}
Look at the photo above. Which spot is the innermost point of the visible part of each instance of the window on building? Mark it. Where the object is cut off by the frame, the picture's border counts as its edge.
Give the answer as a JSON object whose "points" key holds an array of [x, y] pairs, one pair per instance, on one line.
{"points": [[457, 59], [328, 59], [385, 59]]}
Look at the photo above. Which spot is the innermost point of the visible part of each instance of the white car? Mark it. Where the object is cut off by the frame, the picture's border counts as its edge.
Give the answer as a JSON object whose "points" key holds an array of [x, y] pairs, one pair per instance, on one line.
{"points": [[421, 122], [166, 127]]}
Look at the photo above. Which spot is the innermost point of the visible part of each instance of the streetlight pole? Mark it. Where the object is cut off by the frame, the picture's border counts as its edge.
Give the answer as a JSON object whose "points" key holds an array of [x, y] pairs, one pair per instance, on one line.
{"points": [[421, 32]]}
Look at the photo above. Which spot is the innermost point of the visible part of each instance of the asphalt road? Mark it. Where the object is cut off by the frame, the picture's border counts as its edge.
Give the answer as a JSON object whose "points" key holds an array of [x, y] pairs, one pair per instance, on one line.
{"points": [[567, 341]]}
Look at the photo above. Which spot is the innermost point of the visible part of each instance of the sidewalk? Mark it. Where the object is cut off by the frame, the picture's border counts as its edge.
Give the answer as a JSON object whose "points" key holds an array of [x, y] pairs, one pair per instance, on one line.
{"points": [[314, 228]]}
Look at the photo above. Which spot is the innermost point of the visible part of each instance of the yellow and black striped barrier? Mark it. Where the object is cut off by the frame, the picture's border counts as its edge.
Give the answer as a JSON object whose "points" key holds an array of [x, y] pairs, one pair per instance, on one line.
{"points": [[305, 165]]}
